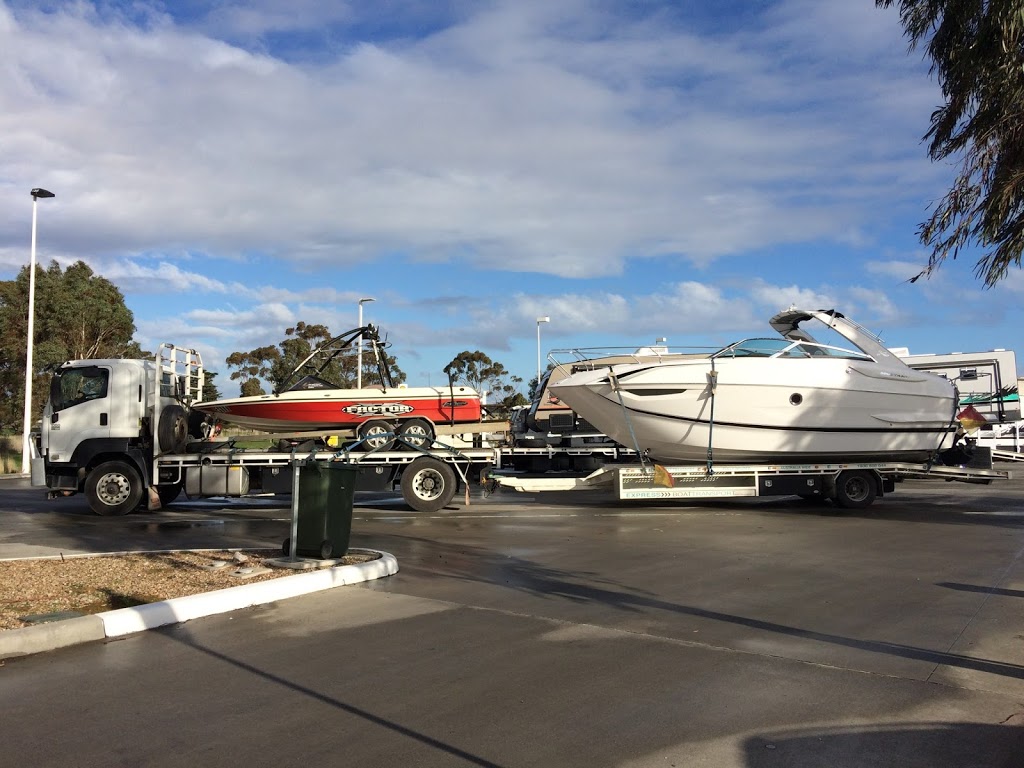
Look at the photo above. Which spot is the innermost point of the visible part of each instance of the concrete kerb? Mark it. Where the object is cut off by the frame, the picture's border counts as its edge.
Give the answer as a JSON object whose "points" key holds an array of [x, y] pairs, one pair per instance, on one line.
{"points": [[123, 621]]}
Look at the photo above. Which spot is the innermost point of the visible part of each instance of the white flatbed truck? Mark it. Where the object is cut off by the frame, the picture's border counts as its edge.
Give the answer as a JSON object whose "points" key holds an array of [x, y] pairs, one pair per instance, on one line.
{"points": [[850, 486], [117, 430]]}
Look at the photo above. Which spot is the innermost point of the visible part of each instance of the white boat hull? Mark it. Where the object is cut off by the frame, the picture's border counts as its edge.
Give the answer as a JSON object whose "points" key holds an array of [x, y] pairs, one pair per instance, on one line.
{"points": [[755, 410]]}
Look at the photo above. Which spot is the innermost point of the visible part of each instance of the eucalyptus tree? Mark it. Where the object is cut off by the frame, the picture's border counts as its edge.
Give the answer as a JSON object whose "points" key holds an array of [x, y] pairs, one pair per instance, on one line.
{"points": [[976, 48], [78, 315], [482, 373], [273, 364]]}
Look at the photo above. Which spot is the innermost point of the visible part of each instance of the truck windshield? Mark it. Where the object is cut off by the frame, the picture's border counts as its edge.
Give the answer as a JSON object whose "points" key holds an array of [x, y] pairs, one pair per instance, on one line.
{"points": [[71, 386]]}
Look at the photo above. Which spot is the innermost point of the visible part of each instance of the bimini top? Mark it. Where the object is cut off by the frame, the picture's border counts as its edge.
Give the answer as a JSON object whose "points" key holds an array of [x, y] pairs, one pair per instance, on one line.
{"points": [[788, 324]]}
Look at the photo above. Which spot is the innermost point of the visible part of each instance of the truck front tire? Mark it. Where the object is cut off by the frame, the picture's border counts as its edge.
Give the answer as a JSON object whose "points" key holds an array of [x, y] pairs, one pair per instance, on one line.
{"points": [[113, 488]]}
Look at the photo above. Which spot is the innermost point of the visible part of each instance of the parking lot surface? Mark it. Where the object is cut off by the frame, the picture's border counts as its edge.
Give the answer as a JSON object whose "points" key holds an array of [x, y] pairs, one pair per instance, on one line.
{"points": [[562, 630]]}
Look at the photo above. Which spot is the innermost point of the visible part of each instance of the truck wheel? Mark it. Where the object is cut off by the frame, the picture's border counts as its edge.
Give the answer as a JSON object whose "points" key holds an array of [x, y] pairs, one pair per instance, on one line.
{"points": [[113, 488], [173, 429], [376, 435], [417, 432], [428, 484], [855, 489]]}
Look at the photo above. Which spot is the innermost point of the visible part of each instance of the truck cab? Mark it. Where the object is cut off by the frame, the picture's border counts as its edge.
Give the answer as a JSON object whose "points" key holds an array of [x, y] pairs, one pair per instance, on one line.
{"points": [[106, 420]]}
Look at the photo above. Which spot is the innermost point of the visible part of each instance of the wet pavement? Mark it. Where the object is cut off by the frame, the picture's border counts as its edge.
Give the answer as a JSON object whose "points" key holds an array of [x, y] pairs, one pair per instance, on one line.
{"points": [[564, 629]]}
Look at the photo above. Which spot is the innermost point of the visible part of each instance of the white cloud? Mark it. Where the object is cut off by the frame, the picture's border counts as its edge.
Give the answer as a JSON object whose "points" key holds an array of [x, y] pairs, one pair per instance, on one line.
{"points": [[877, 308], [777, 298], [518, 135], [268, 162], [163, 278], [897, 269]]}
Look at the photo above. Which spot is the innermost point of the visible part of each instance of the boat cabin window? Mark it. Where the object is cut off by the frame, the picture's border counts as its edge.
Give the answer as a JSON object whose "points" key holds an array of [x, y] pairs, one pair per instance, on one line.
{"points": [[806, 349], [72, 386], [786, 348]]}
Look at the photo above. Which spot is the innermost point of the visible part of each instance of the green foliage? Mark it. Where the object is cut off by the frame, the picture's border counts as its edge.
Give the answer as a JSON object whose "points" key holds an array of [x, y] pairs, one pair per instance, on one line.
{"points": [[251, 367], [78, 315], [210, 389], [532, 391], [485, 375], [272, 365], [977, 53]]}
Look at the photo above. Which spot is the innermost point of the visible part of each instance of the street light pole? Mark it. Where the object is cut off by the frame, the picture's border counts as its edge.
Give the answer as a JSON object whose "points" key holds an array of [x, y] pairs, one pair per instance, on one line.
{"points": [[539, 321], [359, 354], [27, 426]]}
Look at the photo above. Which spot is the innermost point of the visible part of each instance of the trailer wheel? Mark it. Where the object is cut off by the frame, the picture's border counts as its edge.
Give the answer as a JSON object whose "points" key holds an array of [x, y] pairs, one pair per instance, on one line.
{"points": [[173, 429], [417, 432], [376, 434], [428, 484], [855, 489], [113, 488]]}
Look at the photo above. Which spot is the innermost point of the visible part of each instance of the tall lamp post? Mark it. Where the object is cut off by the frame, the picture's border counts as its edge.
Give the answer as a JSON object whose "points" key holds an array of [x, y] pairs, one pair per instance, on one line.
{"points": [[25, 448], [359, 354], [539, 321]]}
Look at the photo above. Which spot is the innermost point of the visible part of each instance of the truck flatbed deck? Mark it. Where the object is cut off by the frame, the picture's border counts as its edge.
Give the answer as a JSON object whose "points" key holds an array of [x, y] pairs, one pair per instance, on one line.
{"points": [[850, 485]]}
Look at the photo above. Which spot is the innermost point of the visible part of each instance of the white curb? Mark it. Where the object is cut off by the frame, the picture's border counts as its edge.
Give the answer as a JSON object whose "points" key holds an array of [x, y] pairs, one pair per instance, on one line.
{"points": [[124, 621]]}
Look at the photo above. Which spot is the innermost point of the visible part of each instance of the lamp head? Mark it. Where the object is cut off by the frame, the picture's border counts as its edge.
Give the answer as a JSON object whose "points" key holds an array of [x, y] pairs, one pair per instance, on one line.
{"points": [[543, 320], [39, 192]]}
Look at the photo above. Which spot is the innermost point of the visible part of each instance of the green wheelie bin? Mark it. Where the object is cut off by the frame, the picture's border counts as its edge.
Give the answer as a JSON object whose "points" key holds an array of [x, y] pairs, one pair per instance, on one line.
{"points": [[323, 508]]}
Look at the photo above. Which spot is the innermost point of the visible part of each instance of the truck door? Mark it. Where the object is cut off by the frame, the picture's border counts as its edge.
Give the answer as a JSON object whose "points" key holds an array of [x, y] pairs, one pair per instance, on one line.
{"points": [[79, 409]]}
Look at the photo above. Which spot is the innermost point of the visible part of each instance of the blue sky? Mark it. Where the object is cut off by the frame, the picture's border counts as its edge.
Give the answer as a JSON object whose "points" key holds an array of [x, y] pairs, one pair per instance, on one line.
{"points": [[631, 170]]}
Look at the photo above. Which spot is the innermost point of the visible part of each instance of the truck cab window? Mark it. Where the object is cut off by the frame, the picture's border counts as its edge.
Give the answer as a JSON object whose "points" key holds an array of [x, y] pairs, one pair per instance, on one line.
{"points": [[78, 385]]}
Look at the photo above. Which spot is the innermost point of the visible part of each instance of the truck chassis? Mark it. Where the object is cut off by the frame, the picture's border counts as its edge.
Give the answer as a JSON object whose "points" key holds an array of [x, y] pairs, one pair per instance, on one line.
{"points": [[428, 477]]}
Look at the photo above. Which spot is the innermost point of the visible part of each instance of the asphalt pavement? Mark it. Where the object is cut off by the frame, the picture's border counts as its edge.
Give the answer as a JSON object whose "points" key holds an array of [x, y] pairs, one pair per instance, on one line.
{"points": [[561, 630]]}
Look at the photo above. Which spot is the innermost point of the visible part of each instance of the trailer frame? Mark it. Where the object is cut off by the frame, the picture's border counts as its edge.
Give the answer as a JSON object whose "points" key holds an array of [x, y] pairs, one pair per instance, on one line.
{"points": [[850, 485]]}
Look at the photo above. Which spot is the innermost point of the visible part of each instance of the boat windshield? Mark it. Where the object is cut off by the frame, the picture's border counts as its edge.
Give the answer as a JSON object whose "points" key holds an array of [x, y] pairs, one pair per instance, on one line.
{"points": [[786, 348]]}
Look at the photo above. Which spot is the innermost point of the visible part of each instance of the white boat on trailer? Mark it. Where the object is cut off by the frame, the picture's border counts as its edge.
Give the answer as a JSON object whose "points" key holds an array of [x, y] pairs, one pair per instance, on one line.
{"points": [[772, 400]]}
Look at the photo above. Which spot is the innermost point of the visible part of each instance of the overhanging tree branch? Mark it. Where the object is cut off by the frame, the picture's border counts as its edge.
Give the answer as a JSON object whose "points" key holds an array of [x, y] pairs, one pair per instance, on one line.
{"points": [[976, 48]]}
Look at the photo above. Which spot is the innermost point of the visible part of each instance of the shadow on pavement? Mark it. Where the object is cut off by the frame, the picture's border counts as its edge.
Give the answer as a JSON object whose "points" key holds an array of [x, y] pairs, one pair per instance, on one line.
{"points": [[473, 564], [429, 741], [911, 745]]}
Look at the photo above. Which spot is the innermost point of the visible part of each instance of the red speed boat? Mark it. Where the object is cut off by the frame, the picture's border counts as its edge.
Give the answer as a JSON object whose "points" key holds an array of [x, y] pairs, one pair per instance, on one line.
{"points": [[306, 402]]}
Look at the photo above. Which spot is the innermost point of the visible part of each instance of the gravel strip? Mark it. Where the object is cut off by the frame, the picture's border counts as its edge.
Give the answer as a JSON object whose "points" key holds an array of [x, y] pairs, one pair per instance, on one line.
{"points": [[95, 584]]}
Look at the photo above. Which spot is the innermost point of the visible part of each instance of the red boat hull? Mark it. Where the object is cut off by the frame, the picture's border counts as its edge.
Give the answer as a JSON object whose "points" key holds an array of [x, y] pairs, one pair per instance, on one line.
{"points": [[324, 410]]}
